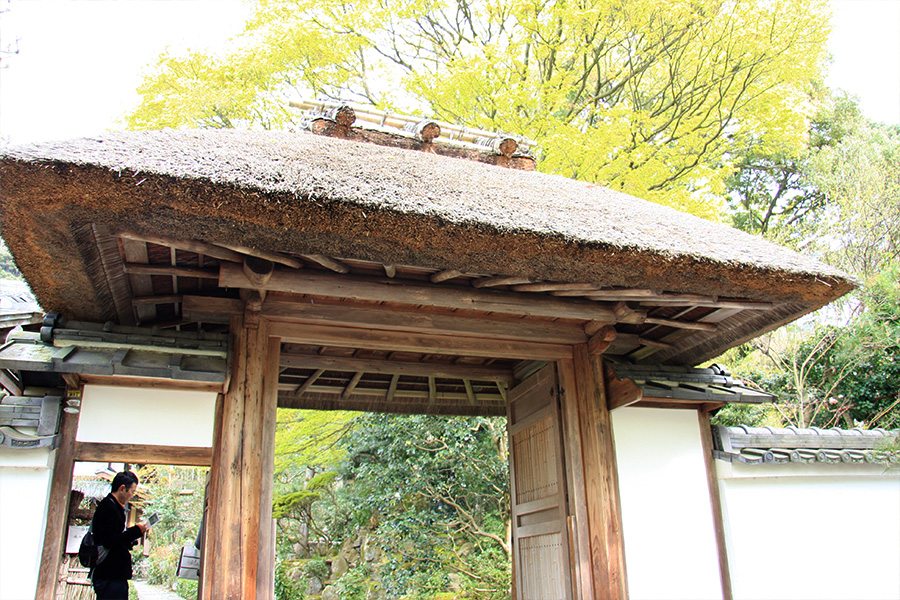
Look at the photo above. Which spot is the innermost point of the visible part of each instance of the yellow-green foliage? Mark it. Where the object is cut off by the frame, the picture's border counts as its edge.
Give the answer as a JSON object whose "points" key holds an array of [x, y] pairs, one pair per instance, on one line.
{"points": [[644, 96], [309, 439]]}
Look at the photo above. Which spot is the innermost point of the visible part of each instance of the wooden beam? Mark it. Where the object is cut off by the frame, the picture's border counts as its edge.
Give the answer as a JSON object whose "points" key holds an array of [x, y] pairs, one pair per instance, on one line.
{"points": [[706, 445], [694, 325], [385, 290], [499, 281], [310, 381], [553, 286], [141, 284], [620, 392], [219, 310], [152, 382], [432, 390], [274, 257], [167, 270], [393, 367], [258, 270], [351, 337], [707, 302], [195, 246], [354, 381], [154, 300], [716, 316], [469, 391], [143, 454], [57, 508], [598, 293], [375, 392], [392, 389], [328, 263], [445, 275]]}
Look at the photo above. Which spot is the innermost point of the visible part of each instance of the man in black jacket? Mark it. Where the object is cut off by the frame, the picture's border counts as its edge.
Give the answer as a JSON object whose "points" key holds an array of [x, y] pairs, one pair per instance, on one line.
{"points": [[110, 577]]}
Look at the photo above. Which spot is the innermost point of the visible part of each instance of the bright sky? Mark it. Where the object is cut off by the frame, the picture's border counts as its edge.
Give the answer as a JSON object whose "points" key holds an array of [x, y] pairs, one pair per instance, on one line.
{"points": [[80, 61]]}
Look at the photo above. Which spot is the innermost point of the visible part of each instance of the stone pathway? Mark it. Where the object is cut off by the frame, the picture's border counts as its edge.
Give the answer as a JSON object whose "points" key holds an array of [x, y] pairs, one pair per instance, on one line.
{"points": [[145, 591]]}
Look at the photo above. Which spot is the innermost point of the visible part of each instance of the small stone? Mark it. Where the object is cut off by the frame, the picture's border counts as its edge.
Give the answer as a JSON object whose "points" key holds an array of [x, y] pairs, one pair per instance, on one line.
{"points": [[339, 566], [314, 586], [329, 593]]}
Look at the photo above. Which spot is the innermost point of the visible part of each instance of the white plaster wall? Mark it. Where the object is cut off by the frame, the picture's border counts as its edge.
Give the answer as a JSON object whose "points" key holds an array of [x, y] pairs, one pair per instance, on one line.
{"points": [[827, 532], [667, 523], [24, 491], [124, 415]]}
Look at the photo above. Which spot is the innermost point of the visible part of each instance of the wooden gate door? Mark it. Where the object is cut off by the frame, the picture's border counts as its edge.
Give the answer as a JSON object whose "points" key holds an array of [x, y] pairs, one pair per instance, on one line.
{"points": [[541, 565]]}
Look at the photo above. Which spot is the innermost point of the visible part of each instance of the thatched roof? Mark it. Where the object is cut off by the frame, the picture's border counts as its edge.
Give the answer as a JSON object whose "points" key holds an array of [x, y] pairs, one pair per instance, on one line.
{"points": [[304, 194]]}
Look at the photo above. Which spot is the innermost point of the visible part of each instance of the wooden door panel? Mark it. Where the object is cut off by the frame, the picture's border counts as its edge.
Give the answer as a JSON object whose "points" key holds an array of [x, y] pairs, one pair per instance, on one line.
{"points": [[538, 490]]}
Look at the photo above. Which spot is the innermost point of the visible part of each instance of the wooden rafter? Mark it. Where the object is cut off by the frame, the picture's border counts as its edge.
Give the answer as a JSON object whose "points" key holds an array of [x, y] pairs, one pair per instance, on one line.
{"points": [[195, 246], [354, 381], [498, 281], [445, 275], [328, 263], [673, 338], [149, 270], [377, 392], [311, 380], [275, 257], [392, 388], [393, 367], [553, 286], [470, 393]]}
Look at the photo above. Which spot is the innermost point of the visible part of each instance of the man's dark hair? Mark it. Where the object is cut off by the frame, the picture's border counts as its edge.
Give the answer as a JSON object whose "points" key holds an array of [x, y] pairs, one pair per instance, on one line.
{"points": [[125, 478]]}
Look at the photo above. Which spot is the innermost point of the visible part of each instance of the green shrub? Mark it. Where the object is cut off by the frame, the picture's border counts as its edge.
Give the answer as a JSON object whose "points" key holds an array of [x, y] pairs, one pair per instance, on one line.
{"points": [[187, 588]]}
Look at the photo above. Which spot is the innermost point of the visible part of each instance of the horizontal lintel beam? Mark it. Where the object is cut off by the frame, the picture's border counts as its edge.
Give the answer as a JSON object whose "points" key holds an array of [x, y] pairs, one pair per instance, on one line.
{"points": [[444, 296], [143, 454], [219, 310]]}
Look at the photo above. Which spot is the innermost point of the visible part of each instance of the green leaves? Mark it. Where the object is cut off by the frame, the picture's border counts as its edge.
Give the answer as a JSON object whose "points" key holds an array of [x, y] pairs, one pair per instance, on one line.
{"points": [[649, 99]]}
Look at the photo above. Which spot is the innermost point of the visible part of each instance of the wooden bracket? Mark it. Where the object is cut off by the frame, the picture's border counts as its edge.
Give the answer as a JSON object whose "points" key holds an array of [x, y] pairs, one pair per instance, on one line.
{"points": [[253, 301], [620, 392], [600, 341], [626, 314]]}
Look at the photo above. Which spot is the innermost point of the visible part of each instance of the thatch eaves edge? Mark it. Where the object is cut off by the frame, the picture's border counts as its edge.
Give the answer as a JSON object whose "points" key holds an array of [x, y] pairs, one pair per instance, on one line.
{"points": [[65, 196]]}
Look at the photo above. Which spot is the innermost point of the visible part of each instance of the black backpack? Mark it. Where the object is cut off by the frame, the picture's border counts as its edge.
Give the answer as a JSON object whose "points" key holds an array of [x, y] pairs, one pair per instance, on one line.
{"points": [[89, 553]]}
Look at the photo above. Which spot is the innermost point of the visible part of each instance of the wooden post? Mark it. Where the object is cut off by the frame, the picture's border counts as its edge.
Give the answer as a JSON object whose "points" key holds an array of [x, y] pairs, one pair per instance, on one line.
{"points": [[265, 582], [579, 533], [57, 508], [601, 482], [706, 443], [238, 558]]}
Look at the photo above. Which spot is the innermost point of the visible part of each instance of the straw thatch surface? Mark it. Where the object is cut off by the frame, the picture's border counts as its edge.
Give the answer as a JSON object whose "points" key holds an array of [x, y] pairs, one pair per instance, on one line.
{"points": [[303, 193]]}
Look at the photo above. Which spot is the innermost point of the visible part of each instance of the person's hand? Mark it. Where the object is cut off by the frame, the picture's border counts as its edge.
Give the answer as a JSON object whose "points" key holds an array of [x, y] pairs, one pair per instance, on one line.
{"points": [[144, 526]]}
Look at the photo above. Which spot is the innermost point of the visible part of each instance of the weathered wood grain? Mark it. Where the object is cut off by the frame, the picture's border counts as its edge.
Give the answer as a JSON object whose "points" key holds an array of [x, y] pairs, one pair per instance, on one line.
{"points": [[377, 290]]}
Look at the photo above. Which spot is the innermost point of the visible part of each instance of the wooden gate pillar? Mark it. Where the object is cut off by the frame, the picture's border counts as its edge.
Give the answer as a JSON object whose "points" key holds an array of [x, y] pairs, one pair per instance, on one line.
{"points": [[57, 508], [594, 501], [239, 550]]}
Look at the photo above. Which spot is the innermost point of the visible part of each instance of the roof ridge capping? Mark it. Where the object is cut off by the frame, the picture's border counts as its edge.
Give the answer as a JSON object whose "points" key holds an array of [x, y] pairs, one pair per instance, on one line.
{"points": [[336, 118]]}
